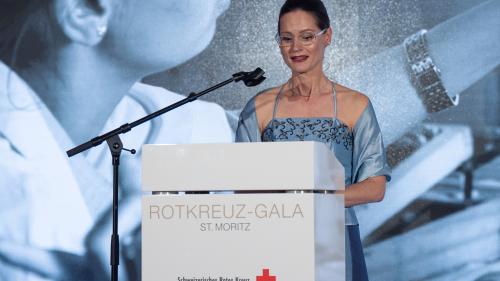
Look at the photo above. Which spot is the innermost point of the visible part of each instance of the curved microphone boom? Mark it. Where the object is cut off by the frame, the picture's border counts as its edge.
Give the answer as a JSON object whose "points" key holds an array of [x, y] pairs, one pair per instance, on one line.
{"points": [[252, 78]]}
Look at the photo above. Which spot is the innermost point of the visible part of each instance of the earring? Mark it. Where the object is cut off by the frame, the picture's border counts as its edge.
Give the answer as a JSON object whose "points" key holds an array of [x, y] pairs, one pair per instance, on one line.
{"points": [[101, 30]]}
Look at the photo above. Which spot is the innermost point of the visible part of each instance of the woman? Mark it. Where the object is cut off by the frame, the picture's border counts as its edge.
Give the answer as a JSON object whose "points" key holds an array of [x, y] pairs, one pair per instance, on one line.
{"points": [[70, 71], [310, 107]]}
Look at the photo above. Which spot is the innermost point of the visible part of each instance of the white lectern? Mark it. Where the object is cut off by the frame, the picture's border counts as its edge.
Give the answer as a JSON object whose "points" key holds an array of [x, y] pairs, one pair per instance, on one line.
{"points": [[283, 221]]}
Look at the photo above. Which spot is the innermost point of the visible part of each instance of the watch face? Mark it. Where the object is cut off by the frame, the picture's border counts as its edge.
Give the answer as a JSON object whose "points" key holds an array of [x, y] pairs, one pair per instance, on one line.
{"points": [[417, 51], [427, 78]]}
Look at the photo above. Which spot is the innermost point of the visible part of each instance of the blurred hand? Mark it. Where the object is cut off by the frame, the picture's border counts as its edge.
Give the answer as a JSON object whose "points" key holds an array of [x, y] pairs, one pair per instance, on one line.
{"points": [[94, 265]]}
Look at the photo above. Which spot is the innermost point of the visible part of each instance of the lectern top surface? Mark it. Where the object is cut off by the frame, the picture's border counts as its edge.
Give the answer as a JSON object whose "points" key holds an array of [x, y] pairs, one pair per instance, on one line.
{"points": [[241, 166]]}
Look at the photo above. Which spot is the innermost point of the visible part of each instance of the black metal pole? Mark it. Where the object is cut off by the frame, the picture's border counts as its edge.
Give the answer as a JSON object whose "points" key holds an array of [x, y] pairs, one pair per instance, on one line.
{"points": [[115, 146], [115, 239]]}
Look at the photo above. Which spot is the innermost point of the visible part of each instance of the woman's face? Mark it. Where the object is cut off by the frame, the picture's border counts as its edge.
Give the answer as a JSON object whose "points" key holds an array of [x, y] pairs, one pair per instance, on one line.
{"points": [[161, 34], [300, 58]]}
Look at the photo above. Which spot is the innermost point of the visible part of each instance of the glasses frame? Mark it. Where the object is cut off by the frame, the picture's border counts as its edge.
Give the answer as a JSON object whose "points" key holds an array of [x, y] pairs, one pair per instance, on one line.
{"points": [[277, 37]]}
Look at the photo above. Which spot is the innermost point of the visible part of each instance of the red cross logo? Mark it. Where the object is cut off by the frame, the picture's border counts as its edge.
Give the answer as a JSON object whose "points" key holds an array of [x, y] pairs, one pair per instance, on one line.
{"points": [[265, 276]]}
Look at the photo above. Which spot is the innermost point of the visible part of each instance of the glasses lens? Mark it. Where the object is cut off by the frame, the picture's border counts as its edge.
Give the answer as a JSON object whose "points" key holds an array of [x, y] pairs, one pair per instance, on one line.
{"points": [[284, 40], [307, 38]]}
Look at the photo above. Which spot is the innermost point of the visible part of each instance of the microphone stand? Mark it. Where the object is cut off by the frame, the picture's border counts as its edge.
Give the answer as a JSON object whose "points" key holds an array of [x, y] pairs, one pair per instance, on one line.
{"points": [[115, 145]]}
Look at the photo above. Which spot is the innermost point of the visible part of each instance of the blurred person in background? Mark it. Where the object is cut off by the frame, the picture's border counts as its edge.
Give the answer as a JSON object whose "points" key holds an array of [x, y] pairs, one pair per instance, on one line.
{"points": [[69, 71]]}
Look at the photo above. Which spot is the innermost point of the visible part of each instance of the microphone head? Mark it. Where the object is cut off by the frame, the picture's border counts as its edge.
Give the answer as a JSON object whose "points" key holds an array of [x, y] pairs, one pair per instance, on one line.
{"points": [[254, 82], [250, 79]]}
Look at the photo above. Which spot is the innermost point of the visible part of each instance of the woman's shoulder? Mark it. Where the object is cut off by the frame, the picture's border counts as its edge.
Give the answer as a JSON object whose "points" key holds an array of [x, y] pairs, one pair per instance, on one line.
{"points": [[352, 104], [267, 97], [259, 108], [262, 98], [352, 98]]}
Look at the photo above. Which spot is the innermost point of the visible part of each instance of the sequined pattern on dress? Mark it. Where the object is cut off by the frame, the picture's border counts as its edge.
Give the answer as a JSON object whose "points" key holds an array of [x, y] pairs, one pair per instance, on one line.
{"points": [[326, 130]]}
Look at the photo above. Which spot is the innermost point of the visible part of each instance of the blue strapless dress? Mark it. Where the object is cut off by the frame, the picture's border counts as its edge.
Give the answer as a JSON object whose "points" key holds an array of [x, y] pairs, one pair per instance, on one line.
{"points": [[339, 138]]}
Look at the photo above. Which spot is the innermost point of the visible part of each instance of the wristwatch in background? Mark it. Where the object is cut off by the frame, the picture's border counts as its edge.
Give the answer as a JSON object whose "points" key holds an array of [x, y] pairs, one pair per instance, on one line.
{"points": [[425, 75]]}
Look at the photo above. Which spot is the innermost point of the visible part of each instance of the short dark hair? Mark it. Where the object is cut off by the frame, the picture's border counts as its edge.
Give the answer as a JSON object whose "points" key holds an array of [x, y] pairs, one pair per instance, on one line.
{"points": [[315, 7]]}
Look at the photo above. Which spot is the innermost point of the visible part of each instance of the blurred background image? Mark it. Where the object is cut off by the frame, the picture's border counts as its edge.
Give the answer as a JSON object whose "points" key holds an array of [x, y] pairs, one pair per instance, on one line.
{"points": [[440, 219]]}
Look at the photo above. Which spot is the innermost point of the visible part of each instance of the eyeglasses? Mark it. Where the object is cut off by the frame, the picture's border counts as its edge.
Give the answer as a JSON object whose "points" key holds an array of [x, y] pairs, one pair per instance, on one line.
{"points": [[305, 38]]}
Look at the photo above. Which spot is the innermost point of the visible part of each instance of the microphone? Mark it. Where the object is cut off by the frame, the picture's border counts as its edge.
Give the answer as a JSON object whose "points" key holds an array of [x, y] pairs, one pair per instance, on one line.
{"points": [[250, 79]]}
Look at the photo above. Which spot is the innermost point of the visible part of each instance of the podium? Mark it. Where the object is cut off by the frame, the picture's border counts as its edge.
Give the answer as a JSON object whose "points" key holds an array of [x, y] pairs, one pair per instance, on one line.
{"points": [[241, 212]]}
